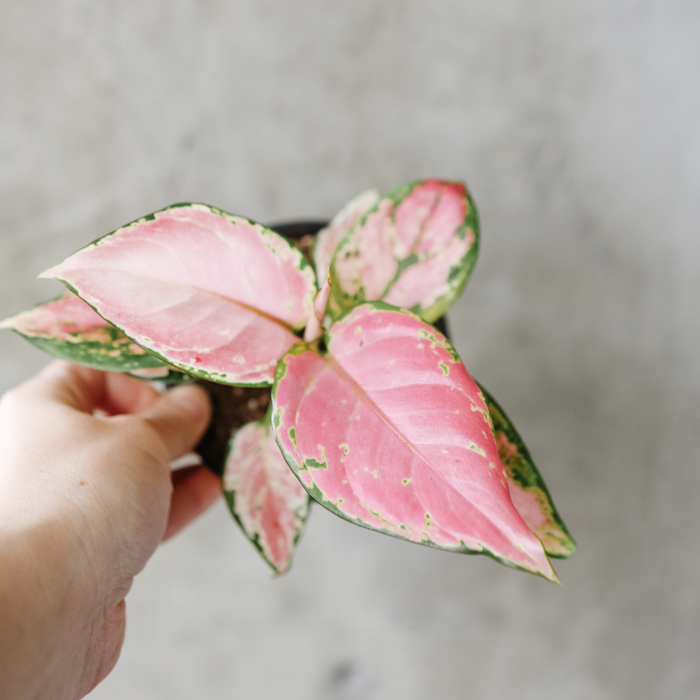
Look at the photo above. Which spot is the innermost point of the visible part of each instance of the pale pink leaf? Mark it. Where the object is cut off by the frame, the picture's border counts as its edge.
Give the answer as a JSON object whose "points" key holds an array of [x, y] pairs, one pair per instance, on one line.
{"points": [[328, 238], [388, 430], [264, 496], [414, 249], [214, 294]]}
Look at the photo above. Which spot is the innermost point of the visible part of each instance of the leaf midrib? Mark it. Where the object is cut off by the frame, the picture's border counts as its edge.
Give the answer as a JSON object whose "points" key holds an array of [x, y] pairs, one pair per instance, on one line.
{"points": [[248, 307], [336, 367]]}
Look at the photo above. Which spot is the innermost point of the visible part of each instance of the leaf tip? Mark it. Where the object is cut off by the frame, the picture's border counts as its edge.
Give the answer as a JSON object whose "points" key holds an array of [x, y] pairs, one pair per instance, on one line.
{"points": [[11, 321], [49, 273], [553, 577], [546, 570]]}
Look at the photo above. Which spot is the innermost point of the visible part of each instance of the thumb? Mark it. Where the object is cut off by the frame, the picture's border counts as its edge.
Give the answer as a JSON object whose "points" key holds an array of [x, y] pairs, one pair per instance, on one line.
{"points": [[180, 417]]}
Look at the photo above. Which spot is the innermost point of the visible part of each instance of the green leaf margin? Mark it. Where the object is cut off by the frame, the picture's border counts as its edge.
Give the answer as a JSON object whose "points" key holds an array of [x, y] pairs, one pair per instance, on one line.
{"points": [[522, 470]]}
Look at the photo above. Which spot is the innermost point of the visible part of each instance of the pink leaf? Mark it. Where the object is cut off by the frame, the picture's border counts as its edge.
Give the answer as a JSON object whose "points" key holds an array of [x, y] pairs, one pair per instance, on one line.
{"points": [[389, 431], [415, 249], [213, 294], [263, 494], [328, 238]]}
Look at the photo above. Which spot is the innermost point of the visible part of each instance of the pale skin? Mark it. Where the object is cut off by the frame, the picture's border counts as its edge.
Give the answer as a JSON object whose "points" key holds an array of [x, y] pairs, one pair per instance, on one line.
{"points": [[84, 503]]}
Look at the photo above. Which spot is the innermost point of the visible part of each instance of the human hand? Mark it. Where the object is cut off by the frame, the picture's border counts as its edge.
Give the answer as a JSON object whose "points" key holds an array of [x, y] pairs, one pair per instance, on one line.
{"points": [[84, 502]]}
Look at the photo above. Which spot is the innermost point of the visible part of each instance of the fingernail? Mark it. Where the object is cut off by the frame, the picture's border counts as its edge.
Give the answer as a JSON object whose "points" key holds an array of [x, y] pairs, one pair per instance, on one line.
{"points": [[190, 398]]}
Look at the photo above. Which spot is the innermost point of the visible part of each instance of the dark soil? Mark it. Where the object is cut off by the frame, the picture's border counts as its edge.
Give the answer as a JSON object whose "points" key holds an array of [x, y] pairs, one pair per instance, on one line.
{"points": [[233, 407]]}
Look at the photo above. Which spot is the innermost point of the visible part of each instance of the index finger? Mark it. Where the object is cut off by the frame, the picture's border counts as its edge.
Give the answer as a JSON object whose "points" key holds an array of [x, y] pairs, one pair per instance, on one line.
{"points": [[75, 386]]}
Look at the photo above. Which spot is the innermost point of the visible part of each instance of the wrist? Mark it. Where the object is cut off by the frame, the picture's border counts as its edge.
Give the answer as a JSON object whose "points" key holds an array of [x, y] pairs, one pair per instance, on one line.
{"points": [[45, 606]]}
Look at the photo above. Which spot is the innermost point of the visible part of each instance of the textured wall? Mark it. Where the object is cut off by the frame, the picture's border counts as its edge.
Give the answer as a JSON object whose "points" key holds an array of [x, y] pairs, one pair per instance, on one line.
{"points": [[576, 127]]}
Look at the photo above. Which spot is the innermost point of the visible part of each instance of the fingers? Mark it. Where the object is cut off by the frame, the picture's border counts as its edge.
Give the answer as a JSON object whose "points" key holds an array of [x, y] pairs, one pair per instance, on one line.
{"points": [[180, 417], [195, 489], [85, 389], [73, 385], [125, 394]]}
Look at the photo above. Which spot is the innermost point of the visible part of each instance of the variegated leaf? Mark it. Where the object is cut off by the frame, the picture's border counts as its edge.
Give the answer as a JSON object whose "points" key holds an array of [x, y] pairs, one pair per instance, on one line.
{"points": [[527, 488], [216, 295], [328, 238], [66, 327], [414, 249], [264, 496], [388, 430]]}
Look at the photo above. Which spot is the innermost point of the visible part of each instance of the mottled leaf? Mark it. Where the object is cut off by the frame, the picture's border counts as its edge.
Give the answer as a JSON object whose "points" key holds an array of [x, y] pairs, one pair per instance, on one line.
{"points": [[67, 328], [414, 249], [527, 488], [328, 238], [264, 496], [214, 294], [388, 430]]}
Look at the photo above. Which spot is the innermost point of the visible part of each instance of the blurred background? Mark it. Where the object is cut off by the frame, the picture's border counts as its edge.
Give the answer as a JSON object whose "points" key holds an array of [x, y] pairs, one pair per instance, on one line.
{"points": [[577, 128]]}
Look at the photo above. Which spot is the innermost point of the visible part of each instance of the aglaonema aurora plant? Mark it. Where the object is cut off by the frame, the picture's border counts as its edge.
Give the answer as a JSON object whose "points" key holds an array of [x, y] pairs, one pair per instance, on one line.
{"points": [[373, 414]]}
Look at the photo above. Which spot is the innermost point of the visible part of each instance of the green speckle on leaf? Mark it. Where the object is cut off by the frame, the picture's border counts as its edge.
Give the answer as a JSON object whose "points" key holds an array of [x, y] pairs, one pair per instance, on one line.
{"points": [[445, 369], [475, 448], [484, 413], [435, 338], [453, 274], [311, 463]]}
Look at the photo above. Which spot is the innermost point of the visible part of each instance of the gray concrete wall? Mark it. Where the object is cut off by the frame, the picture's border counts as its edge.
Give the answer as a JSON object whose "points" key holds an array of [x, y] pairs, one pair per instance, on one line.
{"points": [[576, 125]]}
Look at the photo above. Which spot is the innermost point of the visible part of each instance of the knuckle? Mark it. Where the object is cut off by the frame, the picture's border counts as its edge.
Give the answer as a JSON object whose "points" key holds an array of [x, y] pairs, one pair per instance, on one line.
{"points": [[11, 400]]}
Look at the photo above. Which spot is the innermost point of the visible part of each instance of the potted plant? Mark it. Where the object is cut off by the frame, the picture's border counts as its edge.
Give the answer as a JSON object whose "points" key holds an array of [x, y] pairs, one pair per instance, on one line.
{"points": [[372, 413]]}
